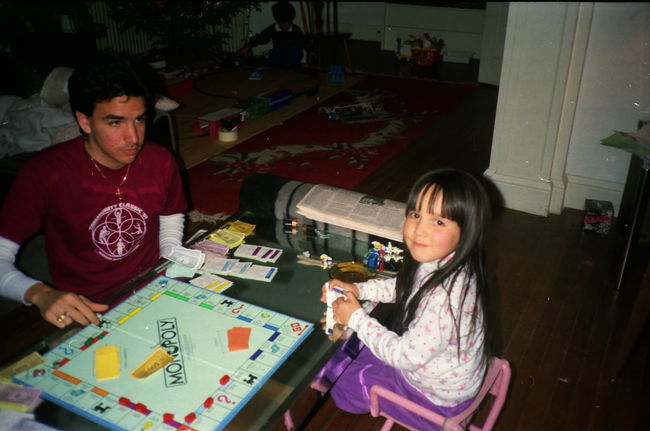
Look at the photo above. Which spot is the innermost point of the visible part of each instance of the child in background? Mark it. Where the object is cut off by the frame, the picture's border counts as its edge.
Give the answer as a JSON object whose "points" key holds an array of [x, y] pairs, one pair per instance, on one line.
{"points": [[288, 39], [435, 353]]}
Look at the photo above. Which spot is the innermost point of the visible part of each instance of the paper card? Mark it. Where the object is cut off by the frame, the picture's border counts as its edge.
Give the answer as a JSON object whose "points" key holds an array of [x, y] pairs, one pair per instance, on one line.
{"points": [[212, 248], [219, 265], [238, 338], [29, 361], [176, 270], [240, 226], [11, 418], [248, 251], [155, 361], [240, 269], [260, 273], [187, 257], [258, 252], [271, 254], [19, 398], [227, 237], [212, 282], [107, 362]]}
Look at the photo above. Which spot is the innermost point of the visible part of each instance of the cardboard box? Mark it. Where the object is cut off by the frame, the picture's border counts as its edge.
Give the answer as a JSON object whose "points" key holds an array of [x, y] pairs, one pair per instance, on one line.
{"points": [[254, 107], [179, 88], [458, 57], [598, 216], [213, 120]]}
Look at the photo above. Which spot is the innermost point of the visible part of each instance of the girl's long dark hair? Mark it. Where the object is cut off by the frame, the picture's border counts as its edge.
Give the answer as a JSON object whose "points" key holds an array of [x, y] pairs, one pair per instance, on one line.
{"points": [[464, 201]]}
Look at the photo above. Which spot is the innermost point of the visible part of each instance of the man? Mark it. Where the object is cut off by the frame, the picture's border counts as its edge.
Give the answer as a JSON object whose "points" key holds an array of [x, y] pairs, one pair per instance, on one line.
{"points": [[110, 205], [288, 39]]}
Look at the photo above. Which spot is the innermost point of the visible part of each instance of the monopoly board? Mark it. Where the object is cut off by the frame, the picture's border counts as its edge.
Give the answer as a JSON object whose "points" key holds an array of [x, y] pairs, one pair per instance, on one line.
{"points": [[203, 387]]}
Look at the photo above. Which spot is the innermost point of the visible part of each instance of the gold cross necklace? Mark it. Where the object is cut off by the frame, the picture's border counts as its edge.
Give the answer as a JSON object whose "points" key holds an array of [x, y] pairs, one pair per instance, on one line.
{"points": [[118, 190]]}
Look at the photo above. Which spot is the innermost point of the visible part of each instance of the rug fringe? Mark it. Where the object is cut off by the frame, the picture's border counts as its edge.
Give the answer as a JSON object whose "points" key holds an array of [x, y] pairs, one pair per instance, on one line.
{"points": [[197, 217]]}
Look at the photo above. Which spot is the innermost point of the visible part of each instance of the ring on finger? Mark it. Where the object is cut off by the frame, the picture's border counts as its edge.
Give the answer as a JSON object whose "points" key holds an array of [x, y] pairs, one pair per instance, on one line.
{"points": [[62, 317]]}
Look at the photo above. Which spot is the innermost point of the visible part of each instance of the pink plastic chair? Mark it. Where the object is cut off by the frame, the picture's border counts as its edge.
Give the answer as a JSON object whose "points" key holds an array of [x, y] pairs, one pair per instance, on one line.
{"points": [[317, 385], [496, 383]]}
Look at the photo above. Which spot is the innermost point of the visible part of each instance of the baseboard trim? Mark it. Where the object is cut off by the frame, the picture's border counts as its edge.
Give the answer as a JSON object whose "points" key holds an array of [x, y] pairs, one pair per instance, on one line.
{"points": [[534, 197], [580, 188], [522, 194]]}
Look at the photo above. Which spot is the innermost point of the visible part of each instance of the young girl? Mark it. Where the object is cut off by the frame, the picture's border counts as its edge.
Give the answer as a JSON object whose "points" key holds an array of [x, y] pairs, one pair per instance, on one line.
{"points": [[435, 352]]}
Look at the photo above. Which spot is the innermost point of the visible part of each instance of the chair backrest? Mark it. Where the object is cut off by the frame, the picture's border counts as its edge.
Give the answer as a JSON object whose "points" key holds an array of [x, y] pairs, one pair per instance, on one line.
{"points": [[496, 382]]}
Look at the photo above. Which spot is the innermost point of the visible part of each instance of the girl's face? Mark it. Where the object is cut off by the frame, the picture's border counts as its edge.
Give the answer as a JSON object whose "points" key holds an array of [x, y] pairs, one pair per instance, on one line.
{"points": [[430, 236]]}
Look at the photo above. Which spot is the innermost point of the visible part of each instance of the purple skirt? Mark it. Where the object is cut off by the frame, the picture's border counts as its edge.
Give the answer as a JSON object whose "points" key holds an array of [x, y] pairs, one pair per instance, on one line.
{"points": [[354, 376]]}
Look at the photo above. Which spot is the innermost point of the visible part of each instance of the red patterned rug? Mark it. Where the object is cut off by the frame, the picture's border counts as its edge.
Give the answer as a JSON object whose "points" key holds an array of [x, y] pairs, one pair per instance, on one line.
{"points": [[313, 148]]}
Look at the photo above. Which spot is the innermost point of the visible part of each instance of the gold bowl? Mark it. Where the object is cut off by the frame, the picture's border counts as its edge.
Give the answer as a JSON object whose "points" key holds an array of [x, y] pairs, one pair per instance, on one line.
{"points": [[350, 272]]}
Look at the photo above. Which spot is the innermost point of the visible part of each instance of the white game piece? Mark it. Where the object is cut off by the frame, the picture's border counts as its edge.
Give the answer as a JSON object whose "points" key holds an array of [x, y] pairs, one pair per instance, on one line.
{"points": [[332, 295]]}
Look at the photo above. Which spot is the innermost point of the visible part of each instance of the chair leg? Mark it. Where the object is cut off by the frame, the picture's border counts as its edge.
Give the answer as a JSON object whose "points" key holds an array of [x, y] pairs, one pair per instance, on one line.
{"points": [[288, 421], [320, 385], [388, 425]]}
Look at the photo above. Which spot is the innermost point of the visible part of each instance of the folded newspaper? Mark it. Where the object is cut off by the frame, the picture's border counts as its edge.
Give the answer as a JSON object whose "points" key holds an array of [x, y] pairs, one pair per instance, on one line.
{"points": [[353, 210]]}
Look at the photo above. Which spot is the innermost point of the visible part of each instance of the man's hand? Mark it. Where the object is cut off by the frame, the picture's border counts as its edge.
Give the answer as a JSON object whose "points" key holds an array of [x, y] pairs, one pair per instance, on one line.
{"points": [[62, 308]]}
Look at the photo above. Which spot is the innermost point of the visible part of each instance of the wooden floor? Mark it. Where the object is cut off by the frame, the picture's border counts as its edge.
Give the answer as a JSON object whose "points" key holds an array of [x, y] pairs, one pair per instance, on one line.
{"points": [[557, 315]]}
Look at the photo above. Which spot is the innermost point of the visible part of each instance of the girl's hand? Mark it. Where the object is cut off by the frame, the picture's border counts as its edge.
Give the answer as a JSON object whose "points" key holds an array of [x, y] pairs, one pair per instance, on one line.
{"points": [[338, 332], [344, 307], [350, 287]]}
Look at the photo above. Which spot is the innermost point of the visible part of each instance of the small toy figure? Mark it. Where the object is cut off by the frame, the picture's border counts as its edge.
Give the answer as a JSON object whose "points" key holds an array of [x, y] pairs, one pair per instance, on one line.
{"points": [[373, 260], [255, 75], [336, 74], [376, 257], [326, 261], [393, 253], [357, 112]]}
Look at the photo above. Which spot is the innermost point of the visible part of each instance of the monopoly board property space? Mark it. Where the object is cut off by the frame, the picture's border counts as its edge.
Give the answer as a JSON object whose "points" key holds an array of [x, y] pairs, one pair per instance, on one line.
{"points": [[219, 351]]}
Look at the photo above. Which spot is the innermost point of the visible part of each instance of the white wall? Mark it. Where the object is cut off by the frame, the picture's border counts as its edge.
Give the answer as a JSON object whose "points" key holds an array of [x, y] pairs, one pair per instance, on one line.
{"points": [[384, 22], [572, 72], [533, 107], [461, 29], [614, 94], [365, 20], [494, 35]]}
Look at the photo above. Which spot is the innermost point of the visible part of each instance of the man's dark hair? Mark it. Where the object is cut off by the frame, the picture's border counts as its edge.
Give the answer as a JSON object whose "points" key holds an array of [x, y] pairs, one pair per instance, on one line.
{"points": [[104, 77], [283, 11]]}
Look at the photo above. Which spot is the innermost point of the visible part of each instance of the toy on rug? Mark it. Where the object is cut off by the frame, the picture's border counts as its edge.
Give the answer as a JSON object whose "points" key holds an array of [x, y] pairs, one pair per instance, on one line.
{"points": [[255, 75], [336, 74]]}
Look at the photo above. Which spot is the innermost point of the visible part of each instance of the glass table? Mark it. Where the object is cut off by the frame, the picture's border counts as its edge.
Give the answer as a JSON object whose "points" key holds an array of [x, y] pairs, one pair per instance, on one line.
{"points": [[295, 291]]}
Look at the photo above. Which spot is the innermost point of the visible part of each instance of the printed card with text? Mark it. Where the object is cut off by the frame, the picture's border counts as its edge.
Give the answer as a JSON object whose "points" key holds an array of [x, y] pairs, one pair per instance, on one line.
{"points": [[258, 252]]}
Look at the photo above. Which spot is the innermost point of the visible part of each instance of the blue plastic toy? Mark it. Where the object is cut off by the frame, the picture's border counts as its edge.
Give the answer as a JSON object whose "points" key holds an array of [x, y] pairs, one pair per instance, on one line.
{"points": [[336, 74], [255, 75]]}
